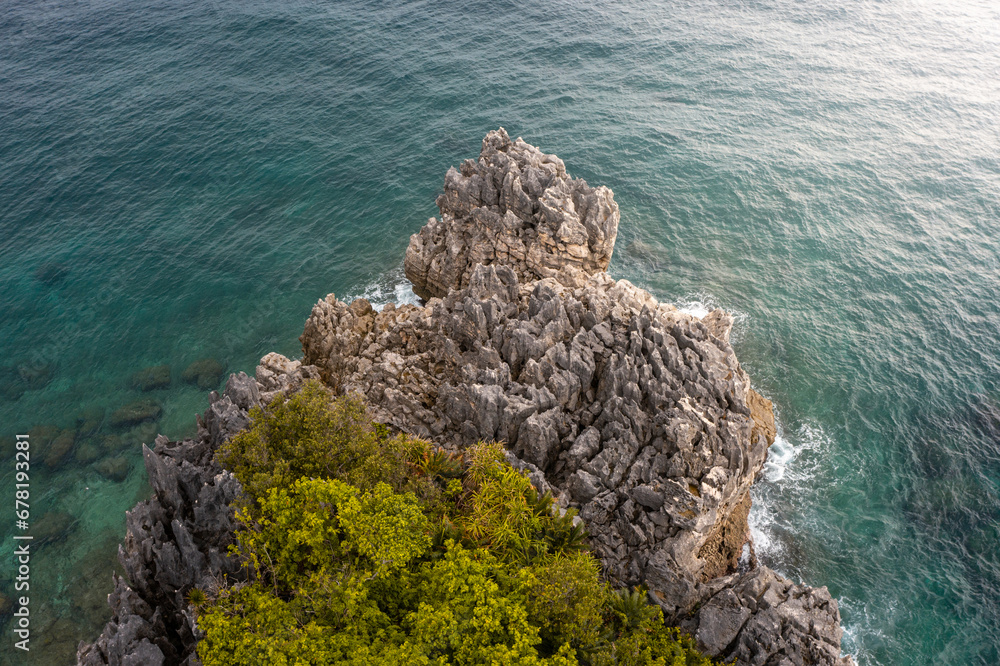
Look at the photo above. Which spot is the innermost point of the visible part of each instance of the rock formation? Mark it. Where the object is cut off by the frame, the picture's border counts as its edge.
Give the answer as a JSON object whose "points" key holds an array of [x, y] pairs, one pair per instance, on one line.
{"points": [[175, 541], [760, 618], [515, 207], [635, 413]]}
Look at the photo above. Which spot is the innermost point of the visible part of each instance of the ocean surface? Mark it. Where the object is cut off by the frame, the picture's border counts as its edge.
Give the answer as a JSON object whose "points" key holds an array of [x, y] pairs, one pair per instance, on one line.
{"points": [[182, 180]]}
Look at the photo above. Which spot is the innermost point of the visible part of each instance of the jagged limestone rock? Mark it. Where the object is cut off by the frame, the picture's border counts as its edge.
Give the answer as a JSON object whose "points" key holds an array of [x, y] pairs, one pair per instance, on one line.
{"points": [[515, 206], [276, 374], [636, 413], [175, 541], [759, 617]]}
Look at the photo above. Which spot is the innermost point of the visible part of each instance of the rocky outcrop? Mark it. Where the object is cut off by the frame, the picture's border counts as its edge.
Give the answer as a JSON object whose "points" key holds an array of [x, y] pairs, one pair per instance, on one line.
{"points": [[632, 411], [276, 374], [627, 409], [175, 541], [760, 618], [515, 206]]}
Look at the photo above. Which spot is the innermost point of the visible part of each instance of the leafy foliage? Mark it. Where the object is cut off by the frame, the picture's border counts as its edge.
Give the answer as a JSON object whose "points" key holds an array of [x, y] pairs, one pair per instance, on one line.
{"points": [[334, 530], [567, 601], [440, 465], [310, 435], [499, 514], [367, 548], [630, 608]]}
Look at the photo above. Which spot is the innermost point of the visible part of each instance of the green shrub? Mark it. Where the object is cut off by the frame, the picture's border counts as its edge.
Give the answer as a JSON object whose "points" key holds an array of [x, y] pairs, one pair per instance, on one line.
{"points": [[366, 548], [314, 436], [252, 626], [327, 527], [472, 611], [440, 465], [499, 513], [630, 608], [567, 600]]}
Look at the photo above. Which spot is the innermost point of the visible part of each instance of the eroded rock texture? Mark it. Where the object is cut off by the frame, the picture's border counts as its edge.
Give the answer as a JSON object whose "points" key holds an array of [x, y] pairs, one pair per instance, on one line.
{"points": [[636, 413], [760, 618], [515, 206], [175, 541], [633, 410]]}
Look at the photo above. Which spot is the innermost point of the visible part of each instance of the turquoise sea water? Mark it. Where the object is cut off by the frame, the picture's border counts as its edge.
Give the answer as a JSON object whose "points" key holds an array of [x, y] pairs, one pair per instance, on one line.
{"points": [[182, 180]]}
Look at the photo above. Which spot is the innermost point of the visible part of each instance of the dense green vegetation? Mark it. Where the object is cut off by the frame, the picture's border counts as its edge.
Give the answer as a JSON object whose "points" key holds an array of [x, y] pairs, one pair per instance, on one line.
{"points": [[366, 548]]}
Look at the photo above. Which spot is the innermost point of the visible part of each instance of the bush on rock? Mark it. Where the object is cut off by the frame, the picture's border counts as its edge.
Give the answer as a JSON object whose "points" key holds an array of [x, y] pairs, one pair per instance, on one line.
{"points": [[369, 548]]}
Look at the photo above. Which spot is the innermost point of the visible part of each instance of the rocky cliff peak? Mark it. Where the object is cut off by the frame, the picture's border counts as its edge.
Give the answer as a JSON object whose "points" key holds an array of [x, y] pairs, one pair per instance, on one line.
{"points": [[514, 206]]}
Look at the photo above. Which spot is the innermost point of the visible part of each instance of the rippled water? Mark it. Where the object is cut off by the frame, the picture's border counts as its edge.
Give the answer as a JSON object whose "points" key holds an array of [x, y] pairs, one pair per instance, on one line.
{"points": [[182, 180]]}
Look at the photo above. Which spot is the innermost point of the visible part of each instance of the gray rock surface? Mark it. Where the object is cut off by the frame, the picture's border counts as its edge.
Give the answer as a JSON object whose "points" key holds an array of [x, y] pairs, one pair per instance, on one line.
{"points": [[760, 618], [276, 374], [515, 206], [175, 541], [632, 410]]}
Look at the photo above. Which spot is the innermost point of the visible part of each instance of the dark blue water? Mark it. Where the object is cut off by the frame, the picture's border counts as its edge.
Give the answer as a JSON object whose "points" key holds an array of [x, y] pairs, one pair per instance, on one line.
{"points": [[181, 181]]}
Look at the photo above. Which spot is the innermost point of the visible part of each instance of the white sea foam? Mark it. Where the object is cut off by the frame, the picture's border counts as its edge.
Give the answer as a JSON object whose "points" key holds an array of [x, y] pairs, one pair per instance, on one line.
{"points": [[762, 523], [792, 463], [391, 287], [863, 633], [762, 518], [700, 304], [783, 494], [693, 308], [779, 455]]}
